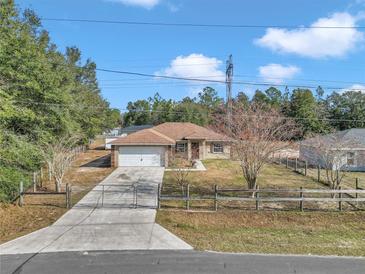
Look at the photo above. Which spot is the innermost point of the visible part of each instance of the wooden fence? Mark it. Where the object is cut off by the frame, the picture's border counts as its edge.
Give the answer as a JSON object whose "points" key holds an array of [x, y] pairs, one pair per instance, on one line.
{"points": [[259, 196], [39, 176], [295, 164], [67, 193], [315, 172]]}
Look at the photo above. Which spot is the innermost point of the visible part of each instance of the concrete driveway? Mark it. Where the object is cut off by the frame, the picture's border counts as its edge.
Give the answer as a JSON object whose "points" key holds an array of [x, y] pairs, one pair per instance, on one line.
{"points": [[118, 214]]}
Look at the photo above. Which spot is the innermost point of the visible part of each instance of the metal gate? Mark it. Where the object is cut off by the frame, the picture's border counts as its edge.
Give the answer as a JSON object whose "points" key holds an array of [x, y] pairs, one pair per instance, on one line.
{"points": [[128, 196]]}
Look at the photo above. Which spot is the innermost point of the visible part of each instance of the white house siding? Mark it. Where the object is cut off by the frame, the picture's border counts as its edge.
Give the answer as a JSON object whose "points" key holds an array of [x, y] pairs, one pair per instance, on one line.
{"points": [[359, 161], [311, 155], [109, 139]]}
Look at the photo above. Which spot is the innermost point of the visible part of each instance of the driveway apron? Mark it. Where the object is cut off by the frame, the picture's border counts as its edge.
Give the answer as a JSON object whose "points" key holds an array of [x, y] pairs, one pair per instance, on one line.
{"points": [[118, 214]]}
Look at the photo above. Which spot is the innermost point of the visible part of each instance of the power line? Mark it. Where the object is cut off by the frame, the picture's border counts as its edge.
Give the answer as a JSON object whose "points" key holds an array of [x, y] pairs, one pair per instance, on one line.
{"points": [[176, 112], [220, 81], [150, 81], [165, 24]]}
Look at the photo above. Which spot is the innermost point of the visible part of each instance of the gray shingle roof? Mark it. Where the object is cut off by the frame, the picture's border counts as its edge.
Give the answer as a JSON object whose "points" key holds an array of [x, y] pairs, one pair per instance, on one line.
{"points": [[355, 137], [132, 129]]}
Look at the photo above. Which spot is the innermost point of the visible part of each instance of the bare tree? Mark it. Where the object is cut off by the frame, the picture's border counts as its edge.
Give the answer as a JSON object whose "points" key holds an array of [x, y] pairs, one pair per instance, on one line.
{"points": [[59, 155], [257, 131], [330, 153], [181, 168]]}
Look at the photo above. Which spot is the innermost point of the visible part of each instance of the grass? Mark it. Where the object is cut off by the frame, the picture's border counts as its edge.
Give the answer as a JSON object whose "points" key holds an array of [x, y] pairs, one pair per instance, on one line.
{"points": [[321, 233], [227, 173], [41, 211], [348, 181], [288, 231]]}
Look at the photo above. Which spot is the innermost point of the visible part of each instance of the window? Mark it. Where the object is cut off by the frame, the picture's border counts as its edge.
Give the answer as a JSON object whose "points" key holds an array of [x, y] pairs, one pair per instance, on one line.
{"points": [[217, 148], [181, 147], [350, 158]]}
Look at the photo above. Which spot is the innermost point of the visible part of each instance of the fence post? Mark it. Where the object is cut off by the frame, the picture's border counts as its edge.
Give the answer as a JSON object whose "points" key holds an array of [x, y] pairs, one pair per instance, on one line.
{"points": [[135, 195], [340, 202], [34, 182], [257, 196], [67, 197], [21, 201], [287, 161], [159, 196], [319, 173], [188, 197], [357, 187], [301, 198], [305, 168], [296, 164], [216, 197]]}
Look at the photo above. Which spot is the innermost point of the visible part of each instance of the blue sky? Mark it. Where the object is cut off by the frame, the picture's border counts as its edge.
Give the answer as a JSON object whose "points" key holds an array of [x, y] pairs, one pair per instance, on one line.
{"points": [[278, 56]]}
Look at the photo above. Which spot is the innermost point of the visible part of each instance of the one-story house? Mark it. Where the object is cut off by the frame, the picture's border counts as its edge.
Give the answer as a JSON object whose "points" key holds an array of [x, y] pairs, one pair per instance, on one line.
{"points": [[348, 146], [157, 145], [115, 133]]}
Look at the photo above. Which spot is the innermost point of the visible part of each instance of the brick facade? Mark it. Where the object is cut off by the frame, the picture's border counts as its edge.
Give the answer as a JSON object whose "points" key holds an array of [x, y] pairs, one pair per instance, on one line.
{"points": [[114, 156]]}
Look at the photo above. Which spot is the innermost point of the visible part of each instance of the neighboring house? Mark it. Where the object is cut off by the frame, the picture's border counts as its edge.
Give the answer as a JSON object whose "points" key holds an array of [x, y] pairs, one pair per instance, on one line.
{"points": [[115, 133], [155, 146], [347, 146]]}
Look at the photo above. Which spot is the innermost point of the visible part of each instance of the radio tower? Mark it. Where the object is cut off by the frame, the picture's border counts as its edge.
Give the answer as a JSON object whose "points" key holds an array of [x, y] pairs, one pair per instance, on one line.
{"points": [[229, 76]]}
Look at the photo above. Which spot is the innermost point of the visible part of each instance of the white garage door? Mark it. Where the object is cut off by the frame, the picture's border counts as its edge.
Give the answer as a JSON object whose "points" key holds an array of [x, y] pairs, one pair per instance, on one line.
{"points": [[141, 156]]}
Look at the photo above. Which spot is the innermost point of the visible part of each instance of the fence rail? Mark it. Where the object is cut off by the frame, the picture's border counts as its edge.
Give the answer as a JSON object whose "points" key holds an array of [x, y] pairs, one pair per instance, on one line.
{"points": [[337, 195], [316, 172], [67, 193]]}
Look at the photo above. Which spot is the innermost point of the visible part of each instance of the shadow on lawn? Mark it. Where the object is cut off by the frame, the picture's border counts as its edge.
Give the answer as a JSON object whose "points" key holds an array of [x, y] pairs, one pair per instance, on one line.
{"points": [[103, 161]]}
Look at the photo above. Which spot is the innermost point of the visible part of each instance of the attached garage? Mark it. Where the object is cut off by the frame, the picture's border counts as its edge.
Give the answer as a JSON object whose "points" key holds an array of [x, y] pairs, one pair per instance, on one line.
{"points": [[149, 156], [143, 148]]}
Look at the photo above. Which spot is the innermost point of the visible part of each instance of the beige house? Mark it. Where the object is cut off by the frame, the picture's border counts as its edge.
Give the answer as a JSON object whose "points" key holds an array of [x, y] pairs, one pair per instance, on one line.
{"points": [[156, 145]]}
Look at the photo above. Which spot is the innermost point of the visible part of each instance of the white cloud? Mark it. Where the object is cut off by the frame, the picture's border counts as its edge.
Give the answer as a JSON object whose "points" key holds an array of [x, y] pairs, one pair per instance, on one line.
{"points": [[173, 7], [277, 74], [148, 4], [194, 92], [194, 66], [355, 87], [316, 43]]}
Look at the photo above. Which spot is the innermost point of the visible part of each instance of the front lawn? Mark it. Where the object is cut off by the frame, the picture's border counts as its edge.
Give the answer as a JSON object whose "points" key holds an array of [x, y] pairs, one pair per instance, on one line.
{"points": [[227, 173], [287, 231], [322, 233]]}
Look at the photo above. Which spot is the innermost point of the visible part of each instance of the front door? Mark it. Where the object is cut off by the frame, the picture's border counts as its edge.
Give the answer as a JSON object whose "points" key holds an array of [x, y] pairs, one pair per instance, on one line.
{"points": [[195, 150]]}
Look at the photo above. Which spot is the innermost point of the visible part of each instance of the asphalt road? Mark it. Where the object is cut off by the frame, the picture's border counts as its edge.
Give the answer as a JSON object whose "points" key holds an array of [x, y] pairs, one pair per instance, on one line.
{"points": [[175, 262]]}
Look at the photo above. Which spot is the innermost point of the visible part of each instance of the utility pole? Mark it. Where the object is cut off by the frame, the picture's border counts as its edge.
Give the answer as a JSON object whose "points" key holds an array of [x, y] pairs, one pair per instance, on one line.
{"points": [[229, 77]]}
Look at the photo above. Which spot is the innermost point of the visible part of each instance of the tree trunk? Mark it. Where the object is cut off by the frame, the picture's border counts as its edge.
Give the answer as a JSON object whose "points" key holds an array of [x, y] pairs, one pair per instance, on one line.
{"points": [[252, 185], [182, 190], [58, 186]]}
